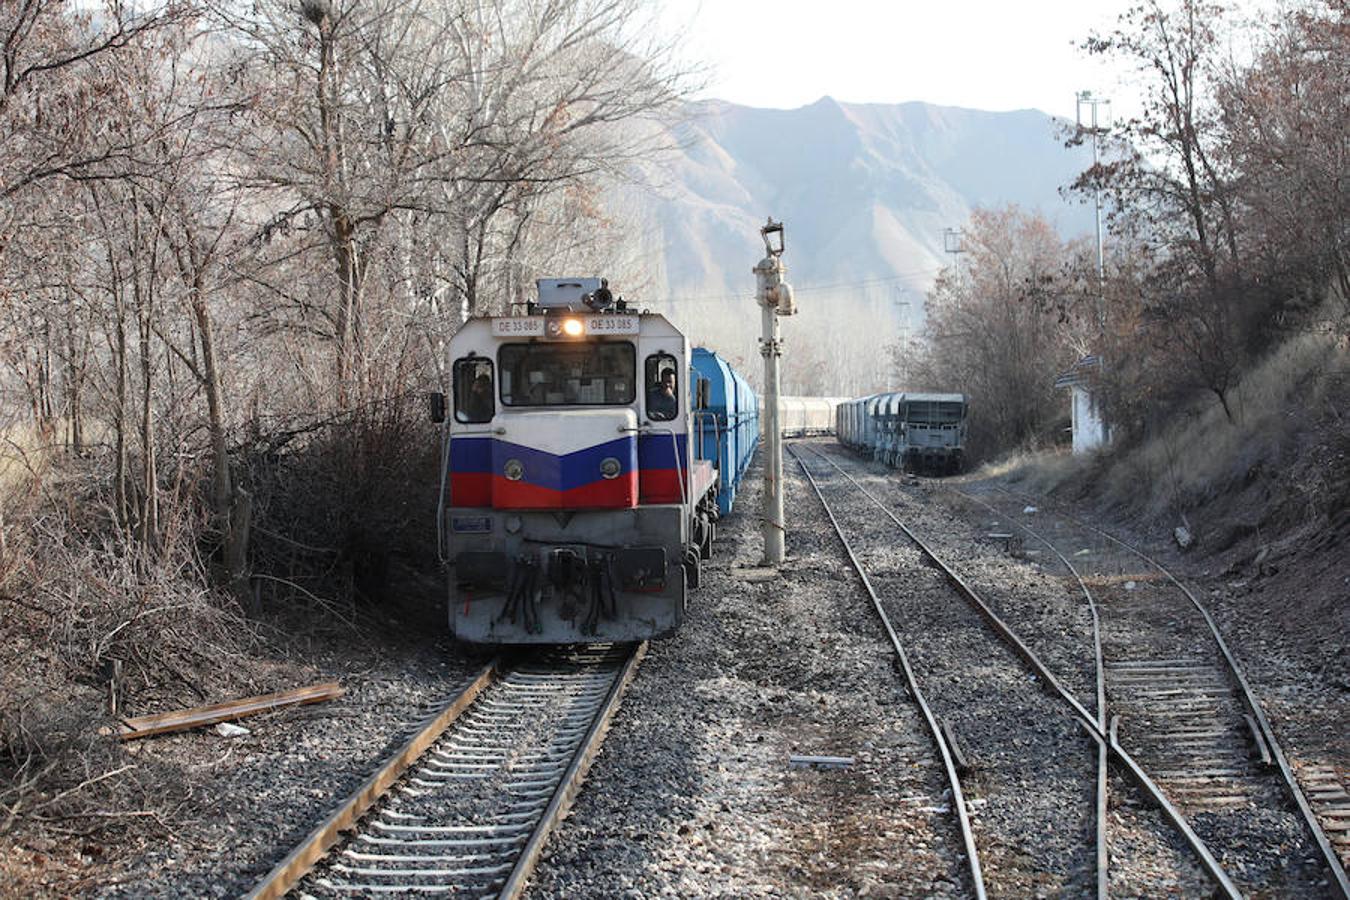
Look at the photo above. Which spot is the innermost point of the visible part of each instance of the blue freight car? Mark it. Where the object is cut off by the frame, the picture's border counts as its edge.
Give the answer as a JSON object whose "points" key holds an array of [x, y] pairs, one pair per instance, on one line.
{"points": [[726, 422]]}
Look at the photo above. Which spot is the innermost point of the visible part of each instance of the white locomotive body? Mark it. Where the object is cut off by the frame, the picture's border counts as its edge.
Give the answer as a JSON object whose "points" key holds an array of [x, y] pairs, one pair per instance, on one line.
{"points": [[574, 507]]}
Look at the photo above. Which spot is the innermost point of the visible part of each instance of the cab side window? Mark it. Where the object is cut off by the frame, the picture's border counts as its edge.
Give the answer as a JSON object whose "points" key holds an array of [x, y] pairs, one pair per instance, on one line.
{"points": [[475, 400], [663, 387]]}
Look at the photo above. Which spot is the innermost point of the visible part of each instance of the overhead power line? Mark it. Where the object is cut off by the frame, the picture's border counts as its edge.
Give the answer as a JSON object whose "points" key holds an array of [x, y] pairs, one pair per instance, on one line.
{"points": [[810, 288]]}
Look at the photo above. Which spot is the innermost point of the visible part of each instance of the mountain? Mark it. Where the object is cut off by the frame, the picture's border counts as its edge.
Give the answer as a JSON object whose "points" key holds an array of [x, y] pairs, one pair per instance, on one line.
{"points": [[865, 192]]}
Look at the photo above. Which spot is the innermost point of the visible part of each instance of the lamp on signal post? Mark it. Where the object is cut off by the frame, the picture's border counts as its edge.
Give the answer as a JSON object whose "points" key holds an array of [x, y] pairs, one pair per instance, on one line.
{"points": [[775, 299]]}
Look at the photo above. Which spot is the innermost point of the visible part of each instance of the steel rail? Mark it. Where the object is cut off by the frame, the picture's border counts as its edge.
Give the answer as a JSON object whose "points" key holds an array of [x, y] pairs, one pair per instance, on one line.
{"points": [[1132, 768], [1103, 890], [287, 873], [1250, 700], [571, 780], [939, 738]]}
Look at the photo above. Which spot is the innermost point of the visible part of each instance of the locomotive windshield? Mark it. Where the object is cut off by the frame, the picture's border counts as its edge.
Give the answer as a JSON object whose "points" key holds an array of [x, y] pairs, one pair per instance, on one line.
{"points": [[581, 374]]}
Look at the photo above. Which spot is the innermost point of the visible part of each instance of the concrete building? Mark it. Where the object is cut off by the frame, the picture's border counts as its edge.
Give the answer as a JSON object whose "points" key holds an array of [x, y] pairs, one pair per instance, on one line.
{"points": [[1090, 429]]}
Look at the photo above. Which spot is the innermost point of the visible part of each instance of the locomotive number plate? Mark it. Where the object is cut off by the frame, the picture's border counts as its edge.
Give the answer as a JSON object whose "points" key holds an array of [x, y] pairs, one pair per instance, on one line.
{"points": [[471, 524], [518, 326], [612, 324]]}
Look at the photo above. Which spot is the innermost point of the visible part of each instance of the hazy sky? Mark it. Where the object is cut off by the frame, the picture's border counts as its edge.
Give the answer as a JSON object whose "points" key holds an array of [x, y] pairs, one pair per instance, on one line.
{"points": [[986, 54]]}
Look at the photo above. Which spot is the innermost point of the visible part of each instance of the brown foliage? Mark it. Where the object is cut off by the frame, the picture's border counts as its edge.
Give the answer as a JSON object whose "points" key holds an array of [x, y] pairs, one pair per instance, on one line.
{"points": [[1230, 199], [1004, 322]]}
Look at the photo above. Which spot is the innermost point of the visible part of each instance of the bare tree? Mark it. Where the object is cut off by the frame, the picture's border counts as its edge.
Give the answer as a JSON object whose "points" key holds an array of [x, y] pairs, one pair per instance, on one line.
{"points": [[55, 59], [1168, 170], [427, 138], [1003, 324], [1286, 130]]}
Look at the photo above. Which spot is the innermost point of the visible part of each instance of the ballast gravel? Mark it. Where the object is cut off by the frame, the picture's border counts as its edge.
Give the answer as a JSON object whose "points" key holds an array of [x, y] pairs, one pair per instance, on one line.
{"points": [[695, 794], [253, 797]]}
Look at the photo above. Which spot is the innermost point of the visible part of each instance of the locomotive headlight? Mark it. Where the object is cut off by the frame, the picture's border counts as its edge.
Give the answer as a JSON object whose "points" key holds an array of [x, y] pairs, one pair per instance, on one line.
{"points": [[610, 467], [572, 327], [514, 470]]}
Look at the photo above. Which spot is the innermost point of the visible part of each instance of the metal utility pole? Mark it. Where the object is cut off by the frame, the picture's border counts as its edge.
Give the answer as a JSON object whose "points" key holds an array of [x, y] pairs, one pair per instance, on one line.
{"points": [[775, 299], [1091, 123], [953, 244], [900, 367]]}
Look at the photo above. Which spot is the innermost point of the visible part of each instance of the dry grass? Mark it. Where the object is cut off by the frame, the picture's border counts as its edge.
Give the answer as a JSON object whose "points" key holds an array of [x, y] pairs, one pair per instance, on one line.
{"points": [[23, 454], [81, 603], [1039, 471], [1200, 454]]}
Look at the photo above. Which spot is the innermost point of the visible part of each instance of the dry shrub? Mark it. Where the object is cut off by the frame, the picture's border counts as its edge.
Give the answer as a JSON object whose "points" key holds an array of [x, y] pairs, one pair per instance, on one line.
{"points": [[81, 606], [1284, 460], [346, 512]]}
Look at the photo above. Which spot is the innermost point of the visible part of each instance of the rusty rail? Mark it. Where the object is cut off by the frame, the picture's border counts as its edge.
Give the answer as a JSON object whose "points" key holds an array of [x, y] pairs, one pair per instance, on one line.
{"points": [[225, 711], [287, 873]]}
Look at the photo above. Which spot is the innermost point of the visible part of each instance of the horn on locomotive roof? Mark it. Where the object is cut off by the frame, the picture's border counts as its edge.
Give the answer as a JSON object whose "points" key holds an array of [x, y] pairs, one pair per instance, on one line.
{"points": [[600, 299]]}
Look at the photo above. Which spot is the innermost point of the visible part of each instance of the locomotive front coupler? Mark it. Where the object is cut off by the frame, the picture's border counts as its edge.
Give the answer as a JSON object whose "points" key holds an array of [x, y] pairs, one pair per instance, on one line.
{"points": [[636, 569], [565, 567]]}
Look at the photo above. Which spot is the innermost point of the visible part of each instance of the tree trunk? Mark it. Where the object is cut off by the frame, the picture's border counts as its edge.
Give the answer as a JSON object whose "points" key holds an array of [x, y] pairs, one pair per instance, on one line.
{"points": [[149, 519], [120, 413], [142, 292], [236, 548], [349, 304], [232, 513]]}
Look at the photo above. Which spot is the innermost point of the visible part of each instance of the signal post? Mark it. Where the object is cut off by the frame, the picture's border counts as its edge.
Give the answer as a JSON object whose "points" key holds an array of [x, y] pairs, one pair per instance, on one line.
{"points": [[775, 299]]}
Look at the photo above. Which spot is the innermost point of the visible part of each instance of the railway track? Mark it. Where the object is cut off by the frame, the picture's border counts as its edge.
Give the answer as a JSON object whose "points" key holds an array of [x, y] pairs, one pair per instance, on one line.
{"points": [[465, 806], [1181, 701], [1104, 737], [941, 735]]}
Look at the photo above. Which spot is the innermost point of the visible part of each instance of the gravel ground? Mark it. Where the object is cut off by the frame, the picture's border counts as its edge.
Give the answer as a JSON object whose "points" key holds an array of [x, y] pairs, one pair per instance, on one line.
{"points": [[693, 794], [1147, 857], [255, 796], [1031, 787]]}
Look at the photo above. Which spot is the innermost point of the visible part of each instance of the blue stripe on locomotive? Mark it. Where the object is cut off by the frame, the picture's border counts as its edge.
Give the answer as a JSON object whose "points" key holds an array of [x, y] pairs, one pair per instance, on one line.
{"points": [[727, 430]]}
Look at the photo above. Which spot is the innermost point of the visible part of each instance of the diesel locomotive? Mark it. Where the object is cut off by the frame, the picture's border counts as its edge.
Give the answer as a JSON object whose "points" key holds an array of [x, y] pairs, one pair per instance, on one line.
{"points": [[588, 452]]}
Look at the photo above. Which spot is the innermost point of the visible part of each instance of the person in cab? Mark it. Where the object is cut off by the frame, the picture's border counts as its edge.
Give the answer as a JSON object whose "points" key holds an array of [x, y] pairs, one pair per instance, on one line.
{"points": [[661, 403], [478, 405]]}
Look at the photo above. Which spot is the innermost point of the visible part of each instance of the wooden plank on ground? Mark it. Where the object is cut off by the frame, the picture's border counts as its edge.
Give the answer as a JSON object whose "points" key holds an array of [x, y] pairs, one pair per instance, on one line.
{"points": [[197, 716]]}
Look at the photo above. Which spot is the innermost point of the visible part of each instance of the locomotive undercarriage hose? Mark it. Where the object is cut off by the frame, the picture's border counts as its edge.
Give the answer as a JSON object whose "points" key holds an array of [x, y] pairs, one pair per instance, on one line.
{"points": [[588, 625], [512, 595], [610, 580], [531, 600], [596, 589], [604, 601], [521, 597]]}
